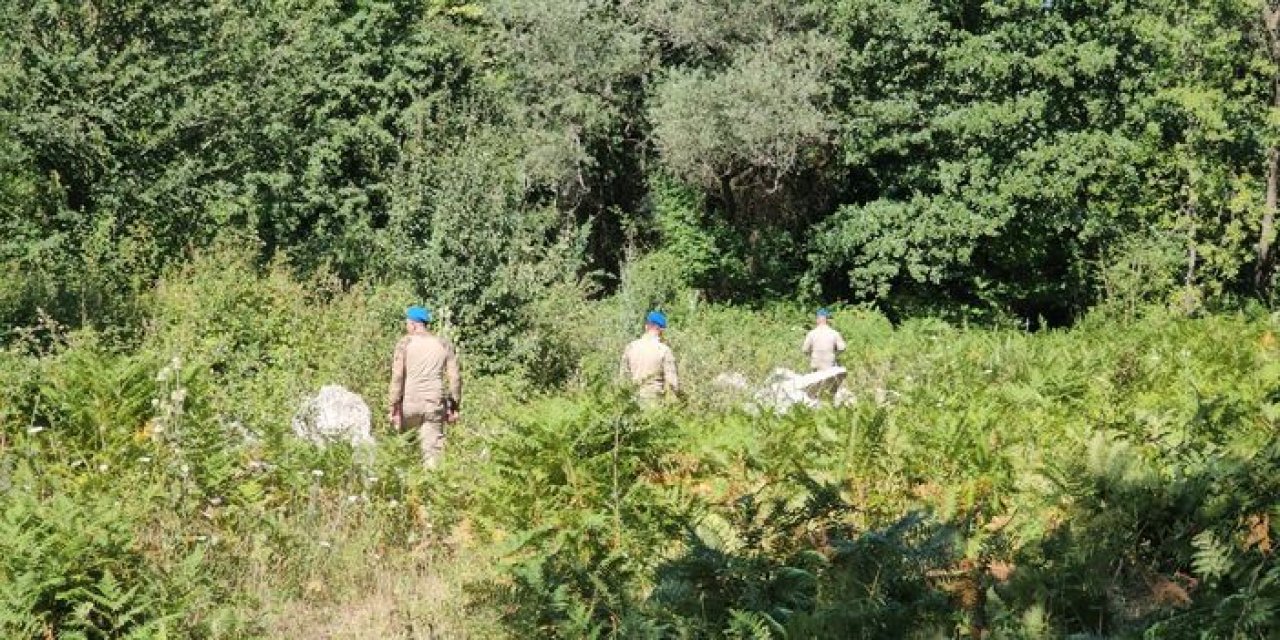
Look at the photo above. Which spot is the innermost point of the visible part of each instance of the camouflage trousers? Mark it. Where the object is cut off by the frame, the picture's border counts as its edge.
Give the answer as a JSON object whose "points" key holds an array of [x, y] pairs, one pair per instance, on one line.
{"points": [[430, 428]]}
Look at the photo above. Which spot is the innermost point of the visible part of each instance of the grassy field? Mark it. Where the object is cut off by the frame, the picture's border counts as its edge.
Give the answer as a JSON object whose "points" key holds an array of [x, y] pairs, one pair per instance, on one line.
{"points": [[1111, 480]]}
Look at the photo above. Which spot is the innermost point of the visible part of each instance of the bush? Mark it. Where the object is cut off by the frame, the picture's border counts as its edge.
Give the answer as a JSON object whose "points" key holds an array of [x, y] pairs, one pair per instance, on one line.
{"points": [[1140, 271], [653, 281], [267, 339], [1108, 479], [1115, 478], [472, 249], [71, 565]]}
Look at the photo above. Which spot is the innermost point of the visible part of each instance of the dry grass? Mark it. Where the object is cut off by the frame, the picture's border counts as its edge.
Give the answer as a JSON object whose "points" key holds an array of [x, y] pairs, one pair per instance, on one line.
{"points": [[411, 597]]}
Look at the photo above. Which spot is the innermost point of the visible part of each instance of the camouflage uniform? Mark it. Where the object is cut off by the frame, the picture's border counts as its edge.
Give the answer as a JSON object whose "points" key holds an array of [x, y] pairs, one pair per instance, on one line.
{"points": [[422, 362], [651, 365], [822, 344]]}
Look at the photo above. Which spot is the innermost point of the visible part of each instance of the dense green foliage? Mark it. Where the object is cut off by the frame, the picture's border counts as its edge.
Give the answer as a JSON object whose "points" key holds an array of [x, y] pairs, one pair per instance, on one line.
{"points": [[209, 209], [1017, 159], [1111, 480]]}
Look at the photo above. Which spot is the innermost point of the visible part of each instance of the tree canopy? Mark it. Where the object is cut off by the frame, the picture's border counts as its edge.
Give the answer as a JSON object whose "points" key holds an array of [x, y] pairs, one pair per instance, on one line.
{"points": [[1009, 157]]}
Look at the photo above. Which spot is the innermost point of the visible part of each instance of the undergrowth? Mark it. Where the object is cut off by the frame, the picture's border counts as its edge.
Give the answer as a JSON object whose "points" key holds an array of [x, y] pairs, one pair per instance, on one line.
{"points": [[1118, 479]]}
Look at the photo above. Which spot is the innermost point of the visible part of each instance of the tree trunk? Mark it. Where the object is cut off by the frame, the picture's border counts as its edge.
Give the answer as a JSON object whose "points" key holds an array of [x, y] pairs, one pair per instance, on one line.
{"points": [[1193, 253], [726, 197], [1266, 259], [1265, 267]]}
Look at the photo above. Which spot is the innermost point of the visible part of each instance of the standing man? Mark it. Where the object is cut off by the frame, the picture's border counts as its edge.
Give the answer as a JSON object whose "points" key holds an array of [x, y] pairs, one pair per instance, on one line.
{"points": [[823, 343], [649, 363], [418, 395]]}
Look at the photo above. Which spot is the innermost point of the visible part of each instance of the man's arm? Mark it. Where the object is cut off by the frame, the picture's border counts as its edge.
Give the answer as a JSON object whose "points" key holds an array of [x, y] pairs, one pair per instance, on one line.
{"points": [[624, 365], [807, 347], [840, 345], [395, 392], [669, 371], [454, 370]]}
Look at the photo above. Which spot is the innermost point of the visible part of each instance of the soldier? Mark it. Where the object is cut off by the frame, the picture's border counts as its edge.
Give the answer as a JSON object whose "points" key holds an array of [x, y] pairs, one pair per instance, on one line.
{"points": [[823, 343], [649, 363], [418, 395]]}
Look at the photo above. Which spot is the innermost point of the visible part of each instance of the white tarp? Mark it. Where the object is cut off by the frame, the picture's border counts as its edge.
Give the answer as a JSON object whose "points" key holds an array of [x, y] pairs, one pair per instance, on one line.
{"points": [[784, 388]]}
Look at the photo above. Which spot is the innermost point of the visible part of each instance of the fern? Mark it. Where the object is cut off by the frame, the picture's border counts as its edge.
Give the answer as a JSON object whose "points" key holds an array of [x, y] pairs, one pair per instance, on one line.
{"points": [[1212, 560], [750, 625], [69, 564]]}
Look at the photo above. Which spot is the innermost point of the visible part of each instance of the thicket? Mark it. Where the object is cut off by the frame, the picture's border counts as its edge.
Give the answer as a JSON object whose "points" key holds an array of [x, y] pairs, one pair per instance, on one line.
{"points": [[152, 486], [209, 210], [1113, 480], [1014, 160]]}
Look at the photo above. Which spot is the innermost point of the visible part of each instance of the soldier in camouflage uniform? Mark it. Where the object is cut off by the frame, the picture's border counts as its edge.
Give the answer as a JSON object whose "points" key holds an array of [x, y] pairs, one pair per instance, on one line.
{"points": [[649, 363], [822, 345], [426, 384]]}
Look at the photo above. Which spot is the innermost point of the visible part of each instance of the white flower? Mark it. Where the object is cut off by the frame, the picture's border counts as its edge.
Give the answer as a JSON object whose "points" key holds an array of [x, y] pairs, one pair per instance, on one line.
{"points": [[202, 538], [325, 544], [35, 430], [353, 498], [371, 479], [102, 468], [185, 469], [317, 473], [394, 503], [144, 459]]}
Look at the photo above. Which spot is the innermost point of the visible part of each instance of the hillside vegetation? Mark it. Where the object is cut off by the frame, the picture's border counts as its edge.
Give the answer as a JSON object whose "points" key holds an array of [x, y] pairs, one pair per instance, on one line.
{"points": [[1046, 228], [1108, 480], [1013, 161]]}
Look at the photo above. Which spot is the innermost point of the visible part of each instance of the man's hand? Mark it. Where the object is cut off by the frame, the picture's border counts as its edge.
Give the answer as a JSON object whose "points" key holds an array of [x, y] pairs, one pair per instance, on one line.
{"points": [[452, 411], [394, 416]]}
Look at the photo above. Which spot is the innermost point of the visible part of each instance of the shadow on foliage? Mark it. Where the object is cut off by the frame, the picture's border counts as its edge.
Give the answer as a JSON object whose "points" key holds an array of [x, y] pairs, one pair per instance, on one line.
{"points": [[790, 565], [1179, 547]]}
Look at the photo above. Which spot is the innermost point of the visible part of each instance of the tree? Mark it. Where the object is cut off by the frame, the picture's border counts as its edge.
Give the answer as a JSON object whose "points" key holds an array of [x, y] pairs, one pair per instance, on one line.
{"points": [[475, 254], [574, 72], [1020, 141]]}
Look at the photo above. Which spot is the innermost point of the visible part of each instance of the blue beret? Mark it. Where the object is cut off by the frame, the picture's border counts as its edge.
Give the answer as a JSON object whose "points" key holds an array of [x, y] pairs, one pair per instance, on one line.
{"points": [[657, 319], [418, 314]]}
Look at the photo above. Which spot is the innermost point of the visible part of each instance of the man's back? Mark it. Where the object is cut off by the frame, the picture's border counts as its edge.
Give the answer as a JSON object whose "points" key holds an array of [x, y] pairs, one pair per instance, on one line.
{"points": [[651, 365], [422, 362], [822, 344]]}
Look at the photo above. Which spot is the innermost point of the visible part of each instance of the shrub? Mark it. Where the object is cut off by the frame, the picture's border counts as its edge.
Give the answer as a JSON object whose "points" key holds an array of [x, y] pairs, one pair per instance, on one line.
{"points": [[71, 567], [267, 339]]}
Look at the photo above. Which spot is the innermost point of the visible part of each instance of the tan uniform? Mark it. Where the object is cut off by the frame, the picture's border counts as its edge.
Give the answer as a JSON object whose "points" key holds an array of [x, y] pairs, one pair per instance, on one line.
{"points": [[651, 365], [422, 362], [822, 344]]}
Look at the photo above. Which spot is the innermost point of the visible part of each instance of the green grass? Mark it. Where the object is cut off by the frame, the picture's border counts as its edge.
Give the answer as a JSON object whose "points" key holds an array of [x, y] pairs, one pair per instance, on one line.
{"points": [[1110, 479]]}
